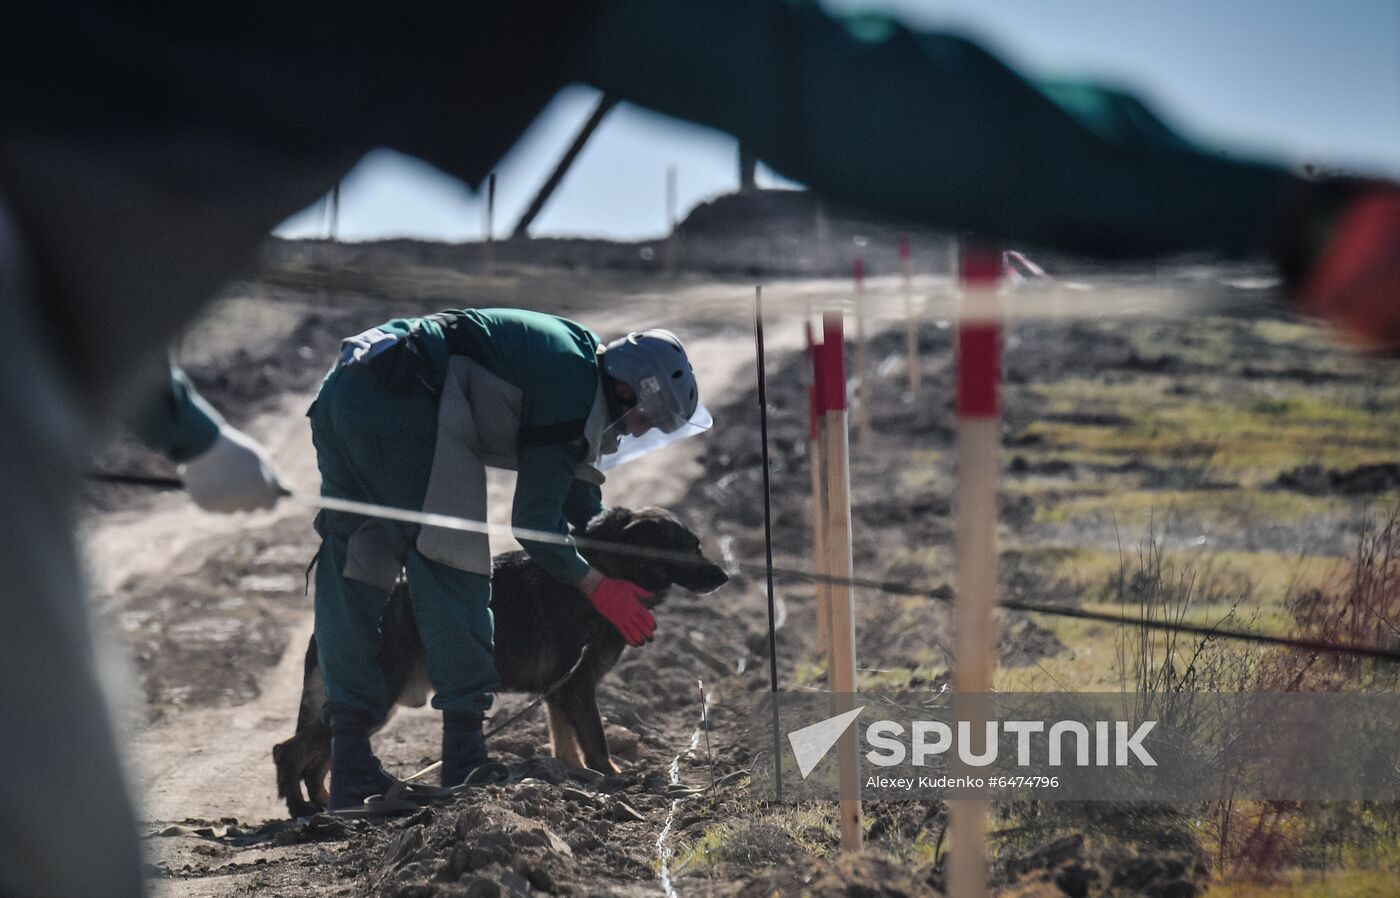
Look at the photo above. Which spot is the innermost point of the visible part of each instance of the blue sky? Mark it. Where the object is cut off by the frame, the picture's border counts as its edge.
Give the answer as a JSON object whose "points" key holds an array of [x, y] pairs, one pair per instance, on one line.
{"points": [[1297, 80]]}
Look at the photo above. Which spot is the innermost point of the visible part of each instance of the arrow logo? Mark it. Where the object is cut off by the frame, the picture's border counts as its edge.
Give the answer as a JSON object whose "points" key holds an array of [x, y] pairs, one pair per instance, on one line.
{"points": [[811, 743]]}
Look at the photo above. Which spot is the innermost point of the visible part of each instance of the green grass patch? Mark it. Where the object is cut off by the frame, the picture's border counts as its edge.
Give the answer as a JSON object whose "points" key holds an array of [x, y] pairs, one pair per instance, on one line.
{"points": [[1249, 434], [1257, 578], [1234, 509], [749, 842], [1333, 884]]}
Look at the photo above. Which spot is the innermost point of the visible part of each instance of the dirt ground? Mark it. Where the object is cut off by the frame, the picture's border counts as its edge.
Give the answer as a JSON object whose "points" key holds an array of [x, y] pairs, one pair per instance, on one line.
{"points": [[1236, 440]]}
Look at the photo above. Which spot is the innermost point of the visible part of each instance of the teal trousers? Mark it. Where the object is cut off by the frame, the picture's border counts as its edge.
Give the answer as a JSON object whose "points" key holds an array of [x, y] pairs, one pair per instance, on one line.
{"points": [[373, 445]]}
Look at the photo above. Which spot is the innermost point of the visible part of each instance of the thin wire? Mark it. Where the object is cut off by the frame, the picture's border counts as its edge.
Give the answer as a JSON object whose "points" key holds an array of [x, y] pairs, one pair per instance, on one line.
{"points": [[891, 587], [768, 535]]}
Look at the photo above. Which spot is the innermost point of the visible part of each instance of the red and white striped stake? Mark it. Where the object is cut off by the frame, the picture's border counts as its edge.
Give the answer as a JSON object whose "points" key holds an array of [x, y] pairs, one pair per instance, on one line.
{"points": [[979, 467], [816, 429], [862, 361], [841, 667], [911, 325]]}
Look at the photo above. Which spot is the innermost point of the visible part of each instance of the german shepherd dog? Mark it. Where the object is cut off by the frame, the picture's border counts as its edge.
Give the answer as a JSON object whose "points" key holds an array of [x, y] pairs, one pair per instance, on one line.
{"points": [[542, 626]]}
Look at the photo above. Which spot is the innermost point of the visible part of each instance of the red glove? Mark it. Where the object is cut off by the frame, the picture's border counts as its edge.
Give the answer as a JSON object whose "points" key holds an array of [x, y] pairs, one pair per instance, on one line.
{"points": [[620, 601]]}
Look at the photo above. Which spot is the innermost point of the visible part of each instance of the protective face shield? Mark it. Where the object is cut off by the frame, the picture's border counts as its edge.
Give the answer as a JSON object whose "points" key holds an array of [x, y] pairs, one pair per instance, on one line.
{"points": [[667, 408], [619, 446]]}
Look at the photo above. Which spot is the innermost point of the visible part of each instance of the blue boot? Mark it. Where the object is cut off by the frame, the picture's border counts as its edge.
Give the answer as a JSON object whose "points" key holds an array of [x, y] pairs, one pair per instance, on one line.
{"points": [[463, 746], [356, 773]]}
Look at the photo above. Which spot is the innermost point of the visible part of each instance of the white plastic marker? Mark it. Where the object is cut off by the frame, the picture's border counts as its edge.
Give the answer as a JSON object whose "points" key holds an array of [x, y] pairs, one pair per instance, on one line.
{"points": [[841, 665], [975, 595], [911, 325]]}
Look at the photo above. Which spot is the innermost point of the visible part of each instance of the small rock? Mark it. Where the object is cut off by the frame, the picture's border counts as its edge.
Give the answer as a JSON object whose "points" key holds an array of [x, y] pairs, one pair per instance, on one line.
{"points": [[584, 775], [583, 840], [579, 796], [622, 812]]}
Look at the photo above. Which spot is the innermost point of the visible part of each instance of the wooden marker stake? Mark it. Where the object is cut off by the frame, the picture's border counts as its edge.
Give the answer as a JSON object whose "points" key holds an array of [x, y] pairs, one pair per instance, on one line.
{"points": [[816, 428], [862, 361], [841, 670], [490, 247], [335, 213], [979, 468], [911, 325], [670, 250]]}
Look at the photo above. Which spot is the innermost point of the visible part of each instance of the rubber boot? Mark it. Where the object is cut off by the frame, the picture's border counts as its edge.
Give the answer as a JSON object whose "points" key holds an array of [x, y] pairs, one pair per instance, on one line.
{"points": [[463, 746], [356, 773]]}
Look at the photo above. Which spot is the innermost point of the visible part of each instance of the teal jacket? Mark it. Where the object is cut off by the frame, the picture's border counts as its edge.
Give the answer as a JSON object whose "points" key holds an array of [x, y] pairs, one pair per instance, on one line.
{"points": [[553, 362], [175, 420]]}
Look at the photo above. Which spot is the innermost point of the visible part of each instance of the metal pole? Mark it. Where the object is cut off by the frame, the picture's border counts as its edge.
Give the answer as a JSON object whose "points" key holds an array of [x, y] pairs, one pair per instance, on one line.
{"points": [[768, 538], [522, 227]]}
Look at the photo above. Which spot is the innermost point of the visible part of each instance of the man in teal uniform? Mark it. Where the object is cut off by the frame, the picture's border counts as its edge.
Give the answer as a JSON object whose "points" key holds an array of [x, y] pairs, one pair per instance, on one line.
{"points": [[410, 417]]}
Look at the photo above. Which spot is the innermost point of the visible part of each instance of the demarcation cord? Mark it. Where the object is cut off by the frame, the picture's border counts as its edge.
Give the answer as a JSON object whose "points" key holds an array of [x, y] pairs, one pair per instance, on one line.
{"points": [[892, 587]]}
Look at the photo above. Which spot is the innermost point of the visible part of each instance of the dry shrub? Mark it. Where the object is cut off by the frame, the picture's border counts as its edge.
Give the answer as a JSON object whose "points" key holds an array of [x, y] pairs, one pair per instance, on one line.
{"points": [[1360, 606]]}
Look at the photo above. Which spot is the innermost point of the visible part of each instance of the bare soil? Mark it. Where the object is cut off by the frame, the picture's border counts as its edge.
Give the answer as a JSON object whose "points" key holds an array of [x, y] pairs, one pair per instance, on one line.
{"points": [[214, 615]]}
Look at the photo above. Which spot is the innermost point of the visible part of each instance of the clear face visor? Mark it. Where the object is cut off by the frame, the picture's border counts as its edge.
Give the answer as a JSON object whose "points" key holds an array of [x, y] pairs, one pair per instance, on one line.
{"points": [[624, 440], [655, 407]]}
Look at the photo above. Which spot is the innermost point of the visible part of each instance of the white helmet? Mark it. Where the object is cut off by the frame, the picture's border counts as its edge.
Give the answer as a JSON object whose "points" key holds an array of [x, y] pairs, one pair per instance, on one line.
{"points": [[654, 365]]}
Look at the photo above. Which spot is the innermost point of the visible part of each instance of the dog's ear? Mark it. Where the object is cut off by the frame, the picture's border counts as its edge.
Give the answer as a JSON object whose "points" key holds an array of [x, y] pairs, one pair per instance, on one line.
{"points": [[608, 524]]}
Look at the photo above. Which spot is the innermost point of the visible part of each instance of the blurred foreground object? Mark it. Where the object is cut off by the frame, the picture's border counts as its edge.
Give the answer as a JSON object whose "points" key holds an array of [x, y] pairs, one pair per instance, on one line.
{"points": [[233, 474], [146, 150]]}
